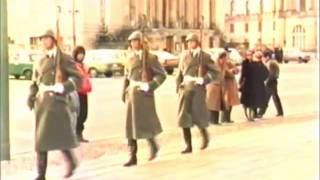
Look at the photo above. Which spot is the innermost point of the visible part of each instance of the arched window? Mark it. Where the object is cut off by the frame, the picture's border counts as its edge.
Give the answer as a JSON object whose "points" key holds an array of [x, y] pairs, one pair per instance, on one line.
{"points": [[298, 37]]}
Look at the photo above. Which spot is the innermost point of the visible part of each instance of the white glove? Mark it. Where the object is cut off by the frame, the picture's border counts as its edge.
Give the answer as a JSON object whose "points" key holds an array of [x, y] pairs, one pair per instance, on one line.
{"points": [[144, 87], [58, 88], [199, 80], [188, 79]]}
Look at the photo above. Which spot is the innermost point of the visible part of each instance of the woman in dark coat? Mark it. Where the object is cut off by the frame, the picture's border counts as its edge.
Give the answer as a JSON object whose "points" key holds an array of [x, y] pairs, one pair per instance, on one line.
{"points": [[253, 89]]}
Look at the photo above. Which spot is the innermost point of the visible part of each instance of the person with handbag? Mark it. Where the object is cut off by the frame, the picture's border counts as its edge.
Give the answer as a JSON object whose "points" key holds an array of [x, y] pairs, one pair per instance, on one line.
{"points": [[224, 94], [55, 77], [78, 56], [143, 75], [195, 71]]}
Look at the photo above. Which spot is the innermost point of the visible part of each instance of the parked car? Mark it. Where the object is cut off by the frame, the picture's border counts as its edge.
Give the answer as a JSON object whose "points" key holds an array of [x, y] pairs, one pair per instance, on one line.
{"points": [[167, 60], [103, 61], [234, 55], [21, 64], [296, 55]]}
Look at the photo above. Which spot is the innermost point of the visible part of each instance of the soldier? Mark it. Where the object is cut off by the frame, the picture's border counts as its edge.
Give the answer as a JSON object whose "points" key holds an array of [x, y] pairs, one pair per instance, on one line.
{"points": [[55, 77], [196, 69], [143, 75]]}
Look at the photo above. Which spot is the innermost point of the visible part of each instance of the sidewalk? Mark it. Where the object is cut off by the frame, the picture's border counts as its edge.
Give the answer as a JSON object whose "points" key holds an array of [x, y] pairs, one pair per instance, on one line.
{"points": [[268, 149]]}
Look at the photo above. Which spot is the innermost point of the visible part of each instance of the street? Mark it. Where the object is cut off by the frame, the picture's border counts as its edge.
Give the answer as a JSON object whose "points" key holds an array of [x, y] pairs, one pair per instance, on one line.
{"points": [[270, 149], [297, 90]]}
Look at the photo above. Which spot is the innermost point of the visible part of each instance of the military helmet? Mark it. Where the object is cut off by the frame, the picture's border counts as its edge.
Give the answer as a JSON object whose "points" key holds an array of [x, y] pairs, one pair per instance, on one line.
{"points": [[192, 37], [48, 33], [136, 35]]}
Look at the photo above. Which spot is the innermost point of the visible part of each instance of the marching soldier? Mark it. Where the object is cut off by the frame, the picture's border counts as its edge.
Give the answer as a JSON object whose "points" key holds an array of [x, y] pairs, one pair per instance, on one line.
{"points": [[144, 74], [55, 77], [196, 69]]}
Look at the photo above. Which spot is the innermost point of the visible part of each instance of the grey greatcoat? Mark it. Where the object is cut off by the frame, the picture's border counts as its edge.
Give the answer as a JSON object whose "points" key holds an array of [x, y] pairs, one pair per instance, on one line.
{"points": [[142, 120], [192, 97], [54, 112]]}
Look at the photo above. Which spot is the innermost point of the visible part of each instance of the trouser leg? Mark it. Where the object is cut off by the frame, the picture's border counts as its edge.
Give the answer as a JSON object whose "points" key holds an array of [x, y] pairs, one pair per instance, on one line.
{"points": [[215, 117], [277, 102], [83, 100]]}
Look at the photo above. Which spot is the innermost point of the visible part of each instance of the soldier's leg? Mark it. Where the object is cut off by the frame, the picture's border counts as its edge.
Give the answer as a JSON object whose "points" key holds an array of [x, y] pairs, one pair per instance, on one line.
{"points": [[42, 161], [133, 148], [188, 140], [205, 138], [154, 148], [72, 162]]}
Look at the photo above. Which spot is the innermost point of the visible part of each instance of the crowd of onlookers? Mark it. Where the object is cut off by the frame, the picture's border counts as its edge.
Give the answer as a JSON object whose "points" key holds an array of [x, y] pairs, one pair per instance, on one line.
{"points": [[257, 84]]}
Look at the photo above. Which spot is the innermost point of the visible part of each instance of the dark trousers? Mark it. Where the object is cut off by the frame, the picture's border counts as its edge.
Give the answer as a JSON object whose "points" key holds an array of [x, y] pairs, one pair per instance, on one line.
{"points": [[42, 162], [273, 92], [226, 116], [83, 100]]}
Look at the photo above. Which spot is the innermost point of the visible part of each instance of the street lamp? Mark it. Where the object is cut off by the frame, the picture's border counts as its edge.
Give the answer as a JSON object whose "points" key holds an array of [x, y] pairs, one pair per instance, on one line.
{"points": [[4, 85]]}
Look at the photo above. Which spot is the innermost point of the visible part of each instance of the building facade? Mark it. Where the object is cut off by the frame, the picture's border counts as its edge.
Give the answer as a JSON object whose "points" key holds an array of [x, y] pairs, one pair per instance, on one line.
{"points": [[166, 22], [286, 23], [291, 24]]}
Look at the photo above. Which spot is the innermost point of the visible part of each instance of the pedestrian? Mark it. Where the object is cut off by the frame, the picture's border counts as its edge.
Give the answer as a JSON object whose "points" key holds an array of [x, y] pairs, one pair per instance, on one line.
{"points": [[246, 83], [196, 69], [254, 93], [271, 86], [279, 54], [55, 76], [230, 87], [143, 75], [78, 56]]}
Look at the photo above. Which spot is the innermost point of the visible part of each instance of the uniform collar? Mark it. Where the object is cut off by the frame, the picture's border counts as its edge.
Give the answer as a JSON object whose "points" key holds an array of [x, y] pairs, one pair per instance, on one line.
{"points": [[52, 52], [195, 52]]}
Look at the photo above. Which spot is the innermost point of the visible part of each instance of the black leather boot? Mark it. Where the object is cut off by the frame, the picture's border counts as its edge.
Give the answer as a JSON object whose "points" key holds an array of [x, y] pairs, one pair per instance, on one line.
{"points": [[42, 160], [188, 141], [72, 162], [205, 138], [154, 148], [133, 147]]}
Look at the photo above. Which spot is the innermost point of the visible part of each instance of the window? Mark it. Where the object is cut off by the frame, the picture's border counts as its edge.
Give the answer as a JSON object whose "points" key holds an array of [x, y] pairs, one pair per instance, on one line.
{"points": [[261, 6], [302, 5], [274, 26], [298, 37], [247, 27], [231, 7], [260, 26], [247, 8], [231, 28]]}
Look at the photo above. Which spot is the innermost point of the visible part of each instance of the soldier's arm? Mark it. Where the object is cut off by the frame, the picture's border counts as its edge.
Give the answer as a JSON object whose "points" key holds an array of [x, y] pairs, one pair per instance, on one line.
{"points": [[34, 86], [159, 74], [74, 79], [179, 76], [126, 83]]}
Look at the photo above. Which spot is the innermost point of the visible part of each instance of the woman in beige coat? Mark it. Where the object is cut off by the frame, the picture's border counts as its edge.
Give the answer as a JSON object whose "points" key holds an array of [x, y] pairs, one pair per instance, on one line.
{"points": [[224, 94]]}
